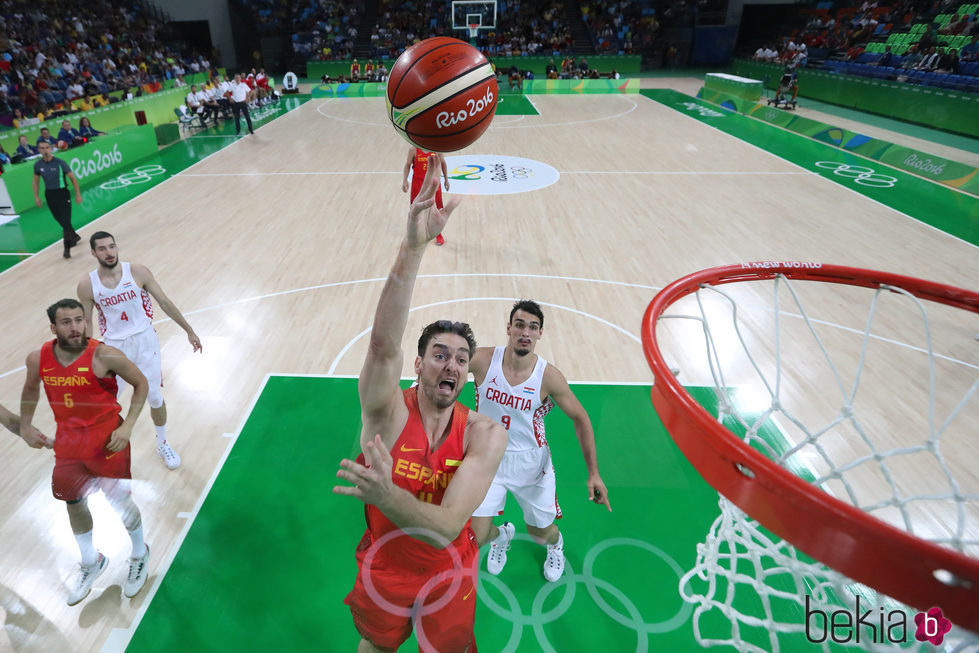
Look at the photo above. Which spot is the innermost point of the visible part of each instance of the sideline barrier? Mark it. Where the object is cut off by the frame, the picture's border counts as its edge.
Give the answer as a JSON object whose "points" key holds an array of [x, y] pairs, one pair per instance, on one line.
{"points": [[743, 87], [101, 158], [953, 111], [624, 63], [157, 106], [530, 87], [935, 168]]}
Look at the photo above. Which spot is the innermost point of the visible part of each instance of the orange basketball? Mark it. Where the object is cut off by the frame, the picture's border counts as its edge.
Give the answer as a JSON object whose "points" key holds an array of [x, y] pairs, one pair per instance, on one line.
{"points": [[62, 145], [441, 94]]}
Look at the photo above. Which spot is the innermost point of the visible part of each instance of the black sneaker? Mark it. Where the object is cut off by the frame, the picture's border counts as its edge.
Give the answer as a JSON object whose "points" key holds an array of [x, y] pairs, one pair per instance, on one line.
{"points": [[67, 253]]}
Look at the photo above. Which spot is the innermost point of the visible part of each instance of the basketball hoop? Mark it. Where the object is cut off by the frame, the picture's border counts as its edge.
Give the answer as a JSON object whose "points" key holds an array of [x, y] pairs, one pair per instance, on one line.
{"points": [[774, 489], [473, 30]]}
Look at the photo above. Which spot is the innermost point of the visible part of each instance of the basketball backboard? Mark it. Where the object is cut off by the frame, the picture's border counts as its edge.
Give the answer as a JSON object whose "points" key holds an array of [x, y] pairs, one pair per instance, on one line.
{"points": [[473, 12]]}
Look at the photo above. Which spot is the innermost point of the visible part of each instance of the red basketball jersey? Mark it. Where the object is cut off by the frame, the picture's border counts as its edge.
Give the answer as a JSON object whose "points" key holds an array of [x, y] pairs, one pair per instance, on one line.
{"points": [[418, 169], [84, 405], [426, 474]]}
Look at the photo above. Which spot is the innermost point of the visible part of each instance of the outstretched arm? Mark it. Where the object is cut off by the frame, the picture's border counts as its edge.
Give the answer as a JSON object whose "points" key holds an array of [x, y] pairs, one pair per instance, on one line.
{"points": [[556, 386], [378, 385], [145, 279]]}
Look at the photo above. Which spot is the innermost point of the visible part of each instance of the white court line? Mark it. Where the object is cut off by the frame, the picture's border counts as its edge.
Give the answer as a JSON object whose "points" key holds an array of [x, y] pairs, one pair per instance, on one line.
{"points": [[563, 172], [677, 172], [16, 253], [505, 125], [119, 638], [351, 343], [838, 184]]}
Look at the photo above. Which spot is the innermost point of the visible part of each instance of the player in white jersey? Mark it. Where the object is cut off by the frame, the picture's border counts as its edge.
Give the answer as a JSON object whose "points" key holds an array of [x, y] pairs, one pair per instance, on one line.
{"points": [[120, 294], [517, 388]]}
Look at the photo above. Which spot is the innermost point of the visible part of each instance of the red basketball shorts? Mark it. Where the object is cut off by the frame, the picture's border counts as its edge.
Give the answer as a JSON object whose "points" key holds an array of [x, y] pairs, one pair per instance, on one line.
{"points": [[400, 599]]}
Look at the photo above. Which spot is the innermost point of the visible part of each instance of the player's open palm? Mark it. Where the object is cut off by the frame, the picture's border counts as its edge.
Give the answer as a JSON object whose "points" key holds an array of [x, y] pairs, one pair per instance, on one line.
{"points": [[372, 482]]}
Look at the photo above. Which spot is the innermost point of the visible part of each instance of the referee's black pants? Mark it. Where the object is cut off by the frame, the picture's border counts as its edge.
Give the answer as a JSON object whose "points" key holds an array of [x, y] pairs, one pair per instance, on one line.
{"points": [[238, 108], [59, 201]]}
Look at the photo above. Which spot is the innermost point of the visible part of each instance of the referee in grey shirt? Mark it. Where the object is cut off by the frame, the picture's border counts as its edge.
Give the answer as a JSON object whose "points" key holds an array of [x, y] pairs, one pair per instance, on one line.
{"points": [[55, 173]]}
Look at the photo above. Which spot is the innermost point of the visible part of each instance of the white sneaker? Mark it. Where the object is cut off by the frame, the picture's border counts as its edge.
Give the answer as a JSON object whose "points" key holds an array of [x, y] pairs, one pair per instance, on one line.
{"points": [[554, 563], [85, 577], [498, 548], [168, 455], [137, 574]]}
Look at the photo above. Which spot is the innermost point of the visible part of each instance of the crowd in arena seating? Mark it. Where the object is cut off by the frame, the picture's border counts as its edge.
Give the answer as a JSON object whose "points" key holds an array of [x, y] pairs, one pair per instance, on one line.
{"points": [[55, 60], [620, 27], [324, 29]]}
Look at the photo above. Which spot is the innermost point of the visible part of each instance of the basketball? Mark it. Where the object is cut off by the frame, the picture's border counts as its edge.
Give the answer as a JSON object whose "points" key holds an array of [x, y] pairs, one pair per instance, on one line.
{"points": [[441, 94], [62, 145]]}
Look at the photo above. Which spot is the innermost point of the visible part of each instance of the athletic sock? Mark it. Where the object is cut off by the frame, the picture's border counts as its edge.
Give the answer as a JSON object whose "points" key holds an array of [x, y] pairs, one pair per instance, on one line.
{"points": [[161, 434], [139, 547], [89, 554]]}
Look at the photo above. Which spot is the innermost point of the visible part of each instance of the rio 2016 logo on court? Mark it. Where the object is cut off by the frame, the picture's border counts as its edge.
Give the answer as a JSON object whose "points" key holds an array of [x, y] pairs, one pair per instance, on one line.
{"points": [[485, 174]]}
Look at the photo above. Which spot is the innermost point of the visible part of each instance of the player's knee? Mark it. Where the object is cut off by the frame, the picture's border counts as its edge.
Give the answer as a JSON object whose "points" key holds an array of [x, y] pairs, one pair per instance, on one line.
{"points": [[155, 397]]}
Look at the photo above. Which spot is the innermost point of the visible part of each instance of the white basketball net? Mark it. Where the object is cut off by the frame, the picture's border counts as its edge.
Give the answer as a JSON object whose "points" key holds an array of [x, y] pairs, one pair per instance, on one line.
{"points": [[745, 580]]}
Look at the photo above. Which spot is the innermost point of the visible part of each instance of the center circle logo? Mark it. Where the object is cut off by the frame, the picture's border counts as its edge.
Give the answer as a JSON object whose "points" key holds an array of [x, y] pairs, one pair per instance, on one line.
{"points": [[491, 174]]}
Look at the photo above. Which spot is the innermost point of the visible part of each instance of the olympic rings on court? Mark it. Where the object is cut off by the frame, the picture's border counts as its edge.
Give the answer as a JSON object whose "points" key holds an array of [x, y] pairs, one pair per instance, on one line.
{"points": [[859, 174], [138, 175], [568, 582]]}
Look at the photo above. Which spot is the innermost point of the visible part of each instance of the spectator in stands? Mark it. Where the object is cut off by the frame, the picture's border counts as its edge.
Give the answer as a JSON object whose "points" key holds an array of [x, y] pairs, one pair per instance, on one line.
{"points": [[86, 130], [949, 62], [970, 52], [179, 82], [886, 58], [25, 149], [912, 57], [550, 71], [69, 134], [46, 137], [929, 61], [956, 27], [75, 90]]}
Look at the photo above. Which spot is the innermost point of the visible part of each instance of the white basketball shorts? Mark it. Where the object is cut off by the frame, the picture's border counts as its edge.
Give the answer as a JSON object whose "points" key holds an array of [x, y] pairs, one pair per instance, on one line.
{"points": [[528, 475]]}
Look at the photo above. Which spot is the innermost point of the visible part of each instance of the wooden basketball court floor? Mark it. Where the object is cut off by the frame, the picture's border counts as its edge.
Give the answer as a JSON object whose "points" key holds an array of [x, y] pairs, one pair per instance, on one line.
{"points": [[276, 247]]}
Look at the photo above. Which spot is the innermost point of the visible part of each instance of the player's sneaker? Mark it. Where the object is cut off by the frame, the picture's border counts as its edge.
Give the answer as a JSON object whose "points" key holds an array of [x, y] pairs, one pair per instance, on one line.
{"points": [[439, 240], [137, 574], [498, 548], [84, 578], [168, 455], [554, 563]]}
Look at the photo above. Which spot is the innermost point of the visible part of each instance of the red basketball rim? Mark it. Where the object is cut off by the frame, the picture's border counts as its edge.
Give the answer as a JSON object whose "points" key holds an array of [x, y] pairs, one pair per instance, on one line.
{"points": [[837, 534]]}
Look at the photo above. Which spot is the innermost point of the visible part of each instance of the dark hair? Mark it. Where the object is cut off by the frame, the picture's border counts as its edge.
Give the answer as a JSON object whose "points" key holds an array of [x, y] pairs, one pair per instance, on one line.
{"points": [[99, 235], [63, 303], [528, 306], [447, 326]]}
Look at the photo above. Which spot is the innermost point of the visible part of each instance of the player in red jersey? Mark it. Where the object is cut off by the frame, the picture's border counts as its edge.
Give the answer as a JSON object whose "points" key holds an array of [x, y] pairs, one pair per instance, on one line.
{"points": [[417, 163], [429, 462], [91, 446]]}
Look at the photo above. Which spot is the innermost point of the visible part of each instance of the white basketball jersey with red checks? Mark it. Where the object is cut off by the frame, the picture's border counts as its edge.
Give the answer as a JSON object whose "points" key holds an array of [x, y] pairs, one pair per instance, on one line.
{"points": [[124, 310], [518, 408]]}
